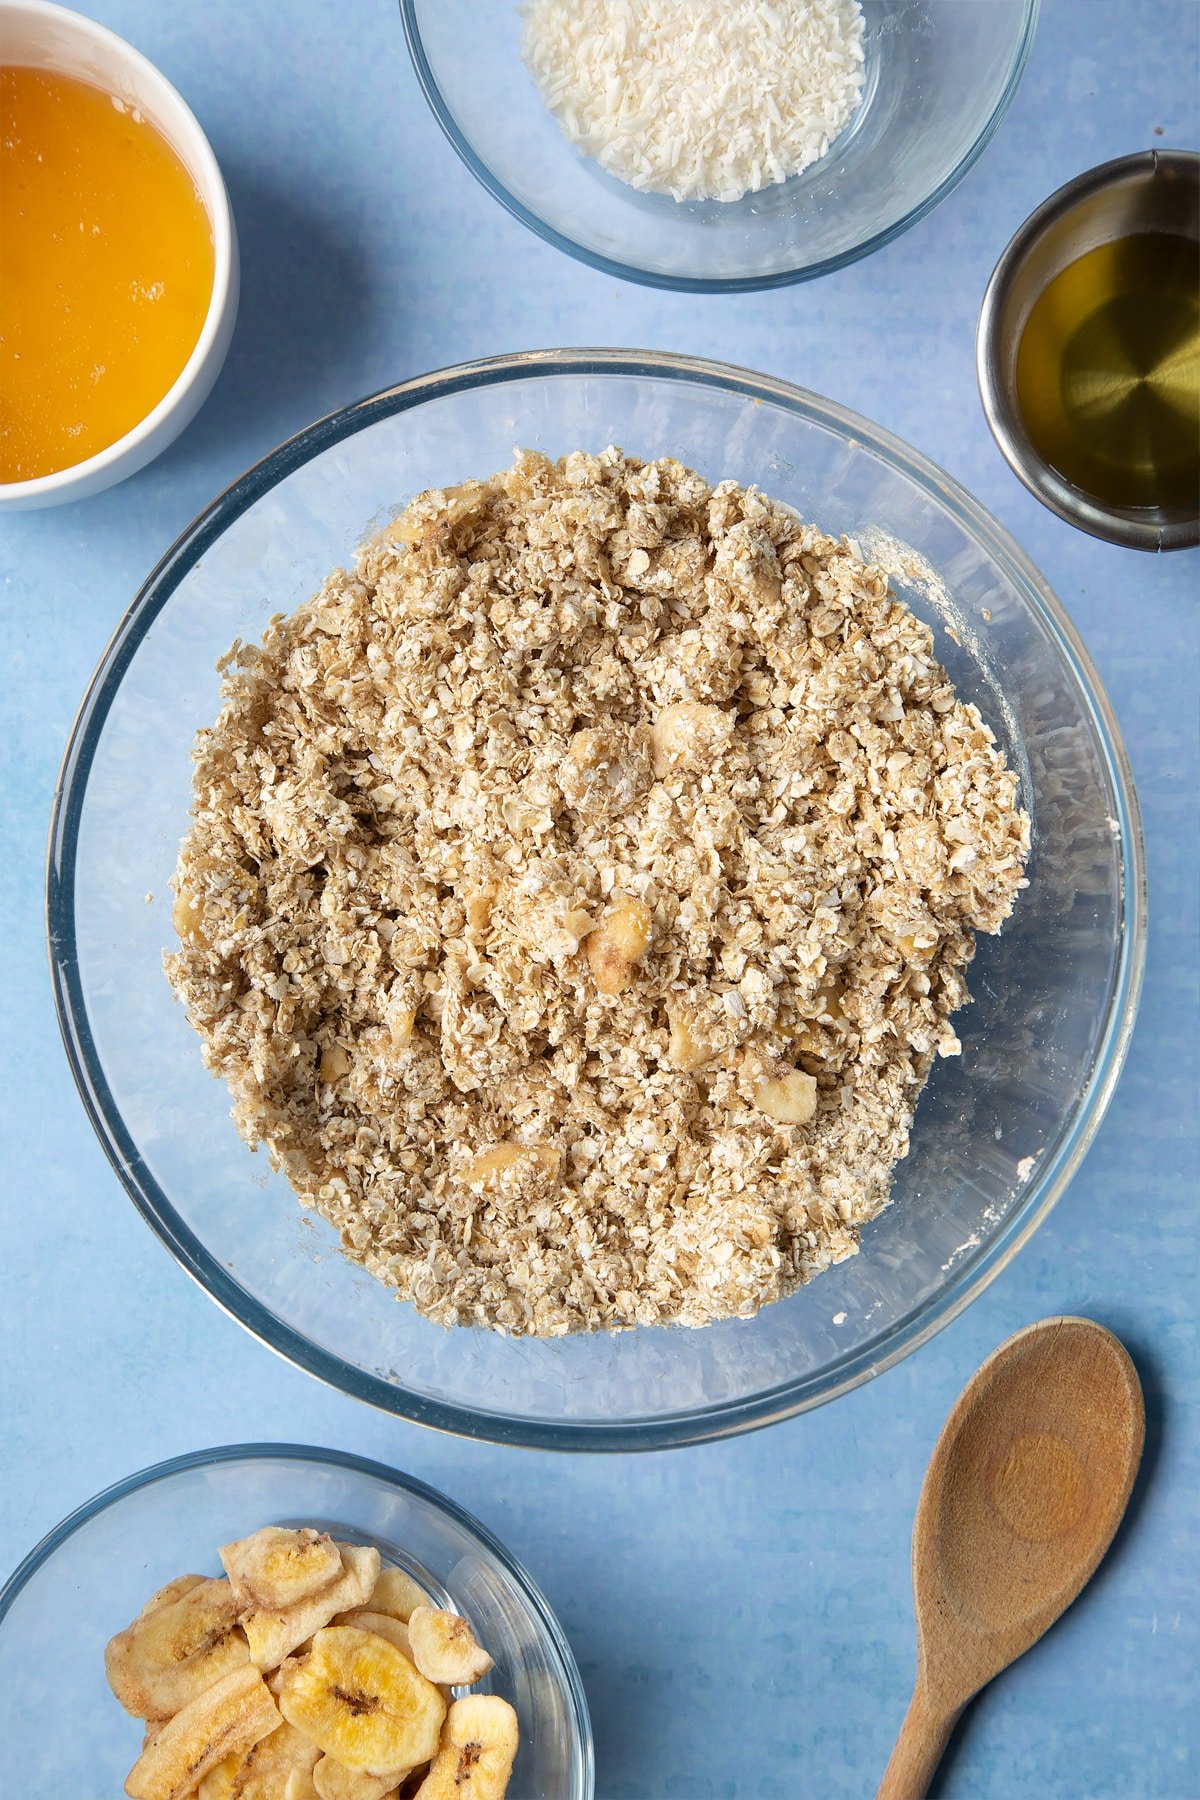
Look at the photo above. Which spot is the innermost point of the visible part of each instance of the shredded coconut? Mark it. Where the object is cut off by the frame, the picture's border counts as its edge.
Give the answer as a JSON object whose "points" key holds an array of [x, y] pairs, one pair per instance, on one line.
{"points": [[700, 99], [579, 890]]}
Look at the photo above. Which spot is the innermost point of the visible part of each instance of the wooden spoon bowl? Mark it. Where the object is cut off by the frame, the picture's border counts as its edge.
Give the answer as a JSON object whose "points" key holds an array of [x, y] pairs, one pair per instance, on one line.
{"points": [[1024, 1491]]}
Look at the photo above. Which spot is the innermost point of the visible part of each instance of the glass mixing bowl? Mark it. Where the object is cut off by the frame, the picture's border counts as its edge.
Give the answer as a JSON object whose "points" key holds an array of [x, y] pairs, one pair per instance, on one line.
{"points": [[64, 1733], [999, 1130], [939, 77]]}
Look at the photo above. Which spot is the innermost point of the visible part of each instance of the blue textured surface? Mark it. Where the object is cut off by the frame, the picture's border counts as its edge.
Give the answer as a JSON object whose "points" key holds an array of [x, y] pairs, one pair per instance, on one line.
{"points": [[741, 1613]]}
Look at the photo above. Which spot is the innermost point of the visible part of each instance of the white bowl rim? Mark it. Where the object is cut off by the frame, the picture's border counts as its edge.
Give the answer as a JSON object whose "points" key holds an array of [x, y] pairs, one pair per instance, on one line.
{"points": [[201, 164]]}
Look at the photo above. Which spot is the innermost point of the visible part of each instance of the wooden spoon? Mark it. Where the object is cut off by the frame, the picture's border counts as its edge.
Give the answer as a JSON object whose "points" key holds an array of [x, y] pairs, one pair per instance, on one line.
{"points": [[1026, 1486]]}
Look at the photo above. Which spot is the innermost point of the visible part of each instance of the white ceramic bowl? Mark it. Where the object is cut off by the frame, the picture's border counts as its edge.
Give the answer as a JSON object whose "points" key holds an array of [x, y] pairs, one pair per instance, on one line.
{"points": [[38, 35]]}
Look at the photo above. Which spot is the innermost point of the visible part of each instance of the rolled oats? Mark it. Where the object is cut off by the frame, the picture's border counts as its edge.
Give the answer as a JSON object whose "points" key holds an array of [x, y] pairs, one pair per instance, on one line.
{"points": [[578, 891]]}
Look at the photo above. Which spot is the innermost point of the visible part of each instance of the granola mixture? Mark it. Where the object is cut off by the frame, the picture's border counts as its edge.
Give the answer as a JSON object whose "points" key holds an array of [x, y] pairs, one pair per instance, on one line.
{"points": [[579, 890]]}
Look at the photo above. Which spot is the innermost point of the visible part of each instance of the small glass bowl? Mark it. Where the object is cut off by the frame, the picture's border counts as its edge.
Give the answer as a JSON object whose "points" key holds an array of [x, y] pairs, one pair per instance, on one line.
{"points": [[939, 77], [64, 1733], [999, 1130]]}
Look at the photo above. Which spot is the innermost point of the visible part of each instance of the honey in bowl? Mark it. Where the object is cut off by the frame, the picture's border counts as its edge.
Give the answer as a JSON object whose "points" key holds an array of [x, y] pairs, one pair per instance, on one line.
{"points": [[1108, 372], [106, 270]]}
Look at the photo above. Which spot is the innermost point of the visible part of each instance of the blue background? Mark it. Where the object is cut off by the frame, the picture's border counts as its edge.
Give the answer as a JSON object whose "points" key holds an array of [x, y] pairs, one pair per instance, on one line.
{"points": [[741, 1612]]}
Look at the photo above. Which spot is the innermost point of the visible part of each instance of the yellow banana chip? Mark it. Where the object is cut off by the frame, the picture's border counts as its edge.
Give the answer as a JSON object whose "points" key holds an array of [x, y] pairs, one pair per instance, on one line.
{"points": [[175, 1650], [363, 1702], [479, 1747], [274, 1632], [444, 1647], [227, 1719], [276, 1568]]}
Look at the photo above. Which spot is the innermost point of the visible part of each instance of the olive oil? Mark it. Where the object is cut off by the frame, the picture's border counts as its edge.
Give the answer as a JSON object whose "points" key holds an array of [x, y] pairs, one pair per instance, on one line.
{"points": [[106, 270], [1108, 372]]}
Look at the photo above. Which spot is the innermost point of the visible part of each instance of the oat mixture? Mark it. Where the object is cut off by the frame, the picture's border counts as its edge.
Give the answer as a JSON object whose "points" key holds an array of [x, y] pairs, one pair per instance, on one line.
{"points": [[579, 890]]}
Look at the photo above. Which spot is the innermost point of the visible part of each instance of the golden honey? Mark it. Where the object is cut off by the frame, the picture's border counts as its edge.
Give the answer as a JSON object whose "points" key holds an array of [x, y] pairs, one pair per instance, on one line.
{"points": [[106, 270], [1108, 372]]}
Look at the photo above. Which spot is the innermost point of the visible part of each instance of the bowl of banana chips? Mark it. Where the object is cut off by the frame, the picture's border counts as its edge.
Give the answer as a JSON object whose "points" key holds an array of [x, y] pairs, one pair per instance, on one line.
{"points": [[272, 1622]]}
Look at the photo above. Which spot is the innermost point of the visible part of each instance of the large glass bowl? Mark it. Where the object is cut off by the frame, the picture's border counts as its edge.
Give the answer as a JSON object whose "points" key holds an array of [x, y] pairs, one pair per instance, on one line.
{"points": [[939, 77], [63, 1732], [999, 1130]]}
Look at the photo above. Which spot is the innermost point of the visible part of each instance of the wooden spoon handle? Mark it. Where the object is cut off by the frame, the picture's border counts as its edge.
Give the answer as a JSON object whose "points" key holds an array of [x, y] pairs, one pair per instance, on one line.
{"points": [[923, 1737]]}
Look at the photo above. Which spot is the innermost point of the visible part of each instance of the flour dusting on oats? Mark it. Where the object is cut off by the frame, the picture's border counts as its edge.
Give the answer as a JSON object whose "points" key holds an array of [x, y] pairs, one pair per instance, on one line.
{"points": [[579, 890]]}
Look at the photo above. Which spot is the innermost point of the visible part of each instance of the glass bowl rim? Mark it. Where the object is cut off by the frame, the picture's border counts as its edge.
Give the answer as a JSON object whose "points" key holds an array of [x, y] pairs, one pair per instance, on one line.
{"points": [[690, 1425], [705, 284], [537, 1605]]}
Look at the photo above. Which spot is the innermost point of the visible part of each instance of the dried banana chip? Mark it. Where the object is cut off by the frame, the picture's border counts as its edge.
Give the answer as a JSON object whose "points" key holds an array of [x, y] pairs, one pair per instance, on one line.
{"points": [[363, 1702], [274, 1633], [363, 1619], [173, 1652], [276, 1568], [479, 1747], [334, 1781], [218, 1783], [173, 1590], [444, 1647], [228, 1718], [396, 1593], [264, 1772]]}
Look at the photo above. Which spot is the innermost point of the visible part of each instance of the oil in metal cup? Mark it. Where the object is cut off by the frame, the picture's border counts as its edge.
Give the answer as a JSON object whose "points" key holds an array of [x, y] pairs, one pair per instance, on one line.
{"points": [[1088, 351]]}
